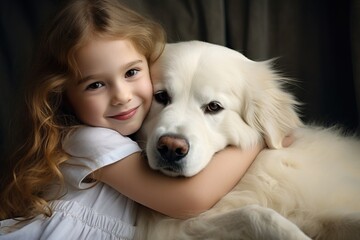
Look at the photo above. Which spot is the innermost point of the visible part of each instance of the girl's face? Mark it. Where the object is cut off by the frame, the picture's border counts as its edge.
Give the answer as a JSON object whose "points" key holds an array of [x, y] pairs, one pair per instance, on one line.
{"points": [[115, 90]]}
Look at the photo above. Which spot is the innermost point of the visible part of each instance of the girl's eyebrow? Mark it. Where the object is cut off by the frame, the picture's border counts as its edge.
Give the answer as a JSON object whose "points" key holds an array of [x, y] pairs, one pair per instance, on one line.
{"points": [[87, 78], [94, 76]]}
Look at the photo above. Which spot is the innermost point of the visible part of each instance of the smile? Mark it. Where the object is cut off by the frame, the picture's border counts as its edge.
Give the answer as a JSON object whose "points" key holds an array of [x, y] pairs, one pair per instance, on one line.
{"points": [[125, 115]]}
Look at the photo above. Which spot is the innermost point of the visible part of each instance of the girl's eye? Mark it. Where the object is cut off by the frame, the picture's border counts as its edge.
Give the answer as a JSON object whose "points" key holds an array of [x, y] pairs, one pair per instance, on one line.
{"points": [[131, 73], [94, 86]]}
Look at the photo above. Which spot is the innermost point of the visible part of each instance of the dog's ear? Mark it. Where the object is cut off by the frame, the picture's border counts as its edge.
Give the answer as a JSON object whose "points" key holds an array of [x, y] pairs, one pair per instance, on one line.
{"points": [[270, 109]]}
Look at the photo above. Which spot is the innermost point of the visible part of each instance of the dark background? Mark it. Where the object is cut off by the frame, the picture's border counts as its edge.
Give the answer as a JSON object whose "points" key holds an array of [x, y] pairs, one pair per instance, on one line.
{"points": [[317, 42]]}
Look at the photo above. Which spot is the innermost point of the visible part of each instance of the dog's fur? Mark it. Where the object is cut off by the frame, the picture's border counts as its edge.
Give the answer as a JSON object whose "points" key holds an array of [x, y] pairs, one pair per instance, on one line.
{"points": [[218, 97]]}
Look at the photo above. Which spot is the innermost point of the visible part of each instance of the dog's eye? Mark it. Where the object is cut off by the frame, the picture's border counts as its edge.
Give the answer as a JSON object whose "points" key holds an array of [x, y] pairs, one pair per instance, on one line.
{"points": [[213, 107], [162, 97]]}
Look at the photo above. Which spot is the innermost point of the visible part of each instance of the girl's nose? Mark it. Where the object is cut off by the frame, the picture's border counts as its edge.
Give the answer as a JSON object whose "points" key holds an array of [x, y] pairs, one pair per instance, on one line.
{"points": [[121, 95]]}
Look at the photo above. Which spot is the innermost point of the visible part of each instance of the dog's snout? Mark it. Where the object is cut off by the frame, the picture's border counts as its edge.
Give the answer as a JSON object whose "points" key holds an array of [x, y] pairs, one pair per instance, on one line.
{"points": [[172, 148]]}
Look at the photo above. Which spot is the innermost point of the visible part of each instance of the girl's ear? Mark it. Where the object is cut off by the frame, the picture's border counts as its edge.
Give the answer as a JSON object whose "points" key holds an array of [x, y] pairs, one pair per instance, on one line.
{"points": [[271, 110]]}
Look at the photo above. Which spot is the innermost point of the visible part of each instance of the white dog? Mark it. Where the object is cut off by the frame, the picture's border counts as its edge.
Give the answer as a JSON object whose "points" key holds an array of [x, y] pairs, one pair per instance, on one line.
{"points": [[210, 96]]}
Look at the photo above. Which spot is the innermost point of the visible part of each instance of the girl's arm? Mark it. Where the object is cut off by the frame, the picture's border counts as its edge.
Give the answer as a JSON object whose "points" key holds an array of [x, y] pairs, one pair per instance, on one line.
{"points": [[178, 197]]}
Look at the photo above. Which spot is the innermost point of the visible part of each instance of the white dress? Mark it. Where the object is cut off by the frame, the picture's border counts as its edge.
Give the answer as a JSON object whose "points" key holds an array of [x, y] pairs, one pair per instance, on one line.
{"points": [[86, 211]]}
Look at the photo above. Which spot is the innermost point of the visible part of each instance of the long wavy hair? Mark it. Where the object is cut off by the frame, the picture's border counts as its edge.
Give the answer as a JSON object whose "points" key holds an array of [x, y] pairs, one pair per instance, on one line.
{"points": [[35, 164]]}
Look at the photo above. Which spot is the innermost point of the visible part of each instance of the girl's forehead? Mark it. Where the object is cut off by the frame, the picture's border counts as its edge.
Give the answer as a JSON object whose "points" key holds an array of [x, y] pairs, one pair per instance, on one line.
{"points": [[108, 42], [106, 55], [105, 47]]}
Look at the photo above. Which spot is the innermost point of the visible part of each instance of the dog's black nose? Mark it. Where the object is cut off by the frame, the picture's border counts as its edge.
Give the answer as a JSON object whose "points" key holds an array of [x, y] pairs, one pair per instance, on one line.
{"points": [[172, 148]]}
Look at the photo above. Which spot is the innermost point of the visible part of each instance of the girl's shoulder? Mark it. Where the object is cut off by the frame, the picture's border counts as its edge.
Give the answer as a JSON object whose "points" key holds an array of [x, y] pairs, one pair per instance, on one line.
{"points": [[97, 143], [91, 148], [87, 133], [88, 138]]}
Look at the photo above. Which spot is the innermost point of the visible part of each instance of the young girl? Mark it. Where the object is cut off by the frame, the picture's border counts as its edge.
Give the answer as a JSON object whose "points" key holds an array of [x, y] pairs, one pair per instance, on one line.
{"points": [[76, 174]]}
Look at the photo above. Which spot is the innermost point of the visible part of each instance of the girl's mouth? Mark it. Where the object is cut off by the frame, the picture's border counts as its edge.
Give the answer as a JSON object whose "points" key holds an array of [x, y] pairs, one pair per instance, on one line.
{"points": [[125, 115]]}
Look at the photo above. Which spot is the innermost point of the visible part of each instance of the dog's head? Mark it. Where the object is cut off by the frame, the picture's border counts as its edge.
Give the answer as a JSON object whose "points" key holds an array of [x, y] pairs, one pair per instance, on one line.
{"points": [[207, 97]]}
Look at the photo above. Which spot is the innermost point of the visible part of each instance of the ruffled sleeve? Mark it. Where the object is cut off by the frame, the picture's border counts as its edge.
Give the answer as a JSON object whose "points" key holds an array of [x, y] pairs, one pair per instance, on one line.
{"points": [[91, 148]]}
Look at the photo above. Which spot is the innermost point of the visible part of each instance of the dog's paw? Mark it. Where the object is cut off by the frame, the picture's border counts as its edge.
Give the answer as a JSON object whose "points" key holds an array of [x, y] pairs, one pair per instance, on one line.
{"points": [[265, 223]]}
